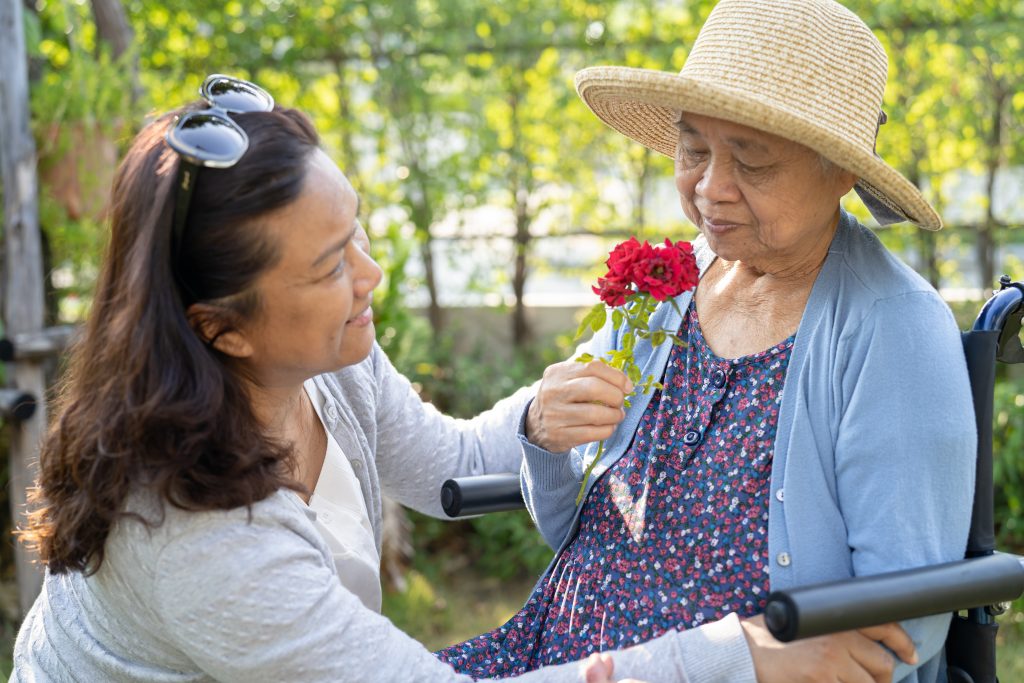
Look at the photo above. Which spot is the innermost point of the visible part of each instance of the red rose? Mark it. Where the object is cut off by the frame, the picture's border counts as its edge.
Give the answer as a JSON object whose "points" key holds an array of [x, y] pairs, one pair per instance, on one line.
{"points": [[622, 259], [612, 291], [663, 272]]}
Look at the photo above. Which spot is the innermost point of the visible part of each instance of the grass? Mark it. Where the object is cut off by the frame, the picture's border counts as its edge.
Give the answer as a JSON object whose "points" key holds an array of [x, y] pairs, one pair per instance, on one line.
{"points": [[440, 610]]}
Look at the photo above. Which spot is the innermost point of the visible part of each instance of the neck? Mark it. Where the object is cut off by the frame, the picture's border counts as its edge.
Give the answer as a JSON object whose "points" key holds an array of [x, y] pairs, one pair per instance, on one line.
{"points": [[278, 408]]}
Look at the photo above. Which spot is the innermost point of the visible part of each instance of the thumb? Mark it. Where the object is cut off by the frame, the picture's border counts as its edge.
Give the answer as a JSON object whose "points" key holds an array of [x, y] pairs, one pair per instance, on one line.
{"points": [[599, 668]]}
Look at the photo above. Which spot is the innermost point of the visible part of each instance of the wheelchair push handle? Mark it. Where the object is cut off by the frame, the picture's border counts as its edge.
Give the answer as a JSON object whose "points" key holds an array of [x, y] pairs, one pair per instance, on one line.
{"points": [[479, 495], [895, 596]]}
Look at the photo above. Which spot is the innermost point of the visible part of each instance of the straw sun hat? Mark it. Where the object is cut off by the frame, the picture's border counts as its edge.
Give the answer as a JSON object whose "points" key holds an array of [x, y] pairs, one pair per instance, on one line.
{"points": [[809, 71]]}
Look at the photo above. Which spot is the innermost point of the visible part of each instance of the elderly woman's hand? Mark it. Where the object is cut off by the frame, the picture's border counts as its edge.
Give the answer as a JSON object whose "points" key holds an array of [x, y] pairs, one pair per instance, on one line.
{"points": [[850, 657], [576, 403]]}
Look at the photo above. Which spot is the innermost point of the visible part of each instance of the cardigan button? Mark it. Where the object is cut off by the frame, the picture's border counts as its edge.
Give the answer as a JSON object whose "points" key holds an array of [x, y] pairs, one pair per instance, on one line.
{"points": [[332, 412], [783, 559], [691, 438], [780, 496]]}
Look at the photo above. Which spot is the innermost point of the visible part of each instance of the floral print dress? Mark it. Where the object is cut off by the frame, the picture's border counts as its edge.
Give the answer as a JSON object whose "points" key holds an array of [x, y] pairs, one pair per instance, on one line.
{"points": [[673, 535]]}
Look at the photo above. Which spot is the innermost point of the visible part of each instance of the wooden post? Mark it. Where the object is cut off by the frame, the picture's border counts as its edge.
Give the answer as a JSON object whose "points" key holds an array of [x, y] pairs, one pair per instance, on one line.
{"points": [[22, 274]]}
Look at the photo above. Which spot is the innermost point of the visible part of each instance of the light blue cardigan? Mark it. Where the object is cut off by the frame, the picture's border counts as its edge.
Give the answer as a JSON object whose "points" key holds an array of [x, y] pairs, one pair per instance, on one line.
{"points": [[873, 468]]}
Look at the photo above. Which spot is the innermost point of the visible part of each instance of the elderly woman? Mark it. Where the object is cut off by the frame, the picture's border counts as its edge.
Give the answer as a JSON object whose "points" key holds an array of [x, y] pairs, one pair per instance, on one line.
{"points": [[816, 426]]}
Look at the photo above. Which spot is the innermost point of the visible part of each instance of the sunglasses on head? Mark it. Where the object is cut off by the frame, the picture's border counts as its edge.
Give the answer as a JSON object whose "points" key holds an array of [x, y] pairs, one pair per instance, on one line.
{"points": [[210, 138]]}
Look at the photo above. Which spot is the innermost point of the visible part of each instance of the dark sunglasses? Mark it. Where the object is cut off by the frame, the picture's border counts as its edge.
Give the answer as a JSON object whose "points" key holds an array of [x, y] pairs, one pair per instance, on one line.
{"points": [[210, 138]]}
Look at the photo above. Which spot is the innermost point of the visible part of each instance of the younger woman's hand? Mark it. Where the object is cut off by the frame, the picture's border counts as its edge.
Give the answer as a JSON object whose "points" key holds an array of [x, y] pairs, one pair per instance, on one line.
{"points": [[600, 668]]}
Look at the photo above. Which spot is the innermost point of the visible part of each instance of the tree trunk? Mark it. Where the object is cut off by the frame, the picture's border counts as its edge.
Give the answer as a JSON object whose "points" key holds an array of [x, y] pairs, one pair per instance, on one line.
{"points": [[23, 274], [987, 238], [113, 28], [521, 332], [112, 25], [640, 200]]}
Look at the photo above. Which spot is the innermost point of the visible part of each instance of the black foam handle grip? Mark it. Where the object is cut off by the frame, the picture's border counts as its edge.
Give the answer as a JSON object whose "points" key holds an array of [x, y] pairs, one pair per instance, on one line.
{"points": [[479, 495], [883, 598]]}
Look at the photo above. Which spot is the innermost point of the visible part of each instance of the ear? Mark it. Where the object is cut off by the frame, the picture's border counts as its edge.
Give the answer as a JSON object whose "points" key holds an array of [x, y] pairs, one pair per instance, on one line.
{"points": [[845, 180], [215, 326]]}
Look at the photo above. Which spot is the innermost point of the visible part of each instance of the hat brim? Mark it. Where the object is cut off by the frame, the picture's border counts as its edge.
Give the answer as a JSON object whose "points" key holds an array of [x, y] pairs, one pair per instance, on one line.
{"points": [[643, 104]]}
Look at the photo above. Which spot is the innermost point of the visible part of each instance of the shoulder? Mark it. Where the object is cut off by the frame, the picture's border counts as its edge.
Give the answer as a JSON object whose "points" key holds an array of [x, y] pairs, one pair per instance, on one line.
{"points": [[864, 282], [155, 531], [868, 269]]}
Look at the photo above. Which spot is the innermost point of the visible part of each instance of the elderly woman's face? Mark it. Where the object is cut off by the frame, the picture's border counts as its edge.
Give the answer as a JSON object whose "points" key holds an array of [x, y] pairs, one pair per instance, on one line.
{"points": [[756, 197]]}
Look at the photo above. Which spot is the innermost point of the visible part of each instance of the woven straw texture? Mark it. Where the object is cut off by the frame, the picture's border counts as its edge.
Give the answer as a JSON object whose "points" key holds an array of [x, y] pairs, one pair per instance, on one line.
{"points": [[806, 70]]}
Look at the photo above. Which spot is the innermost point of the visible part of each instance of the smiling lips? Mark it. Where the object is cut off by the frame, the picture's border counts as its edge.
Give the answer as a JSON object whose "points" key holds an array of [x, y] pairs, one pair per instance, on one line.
{"points": [[364, 318], [718, 226]]}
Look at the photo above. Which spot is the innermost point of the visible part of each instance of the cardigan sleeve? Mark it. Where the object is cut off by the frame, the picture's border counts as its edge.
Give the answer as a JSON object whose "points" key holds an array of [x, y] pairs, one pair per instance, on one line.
{"points": [[906, 445], [258, 602], [418, 448]]}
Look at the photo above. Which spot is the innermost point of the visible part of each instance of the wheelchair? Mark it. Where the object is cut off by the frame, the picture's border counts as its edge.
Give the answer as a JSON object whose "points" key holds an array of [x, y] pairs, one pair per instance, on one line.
{"points": [[975, 589]]}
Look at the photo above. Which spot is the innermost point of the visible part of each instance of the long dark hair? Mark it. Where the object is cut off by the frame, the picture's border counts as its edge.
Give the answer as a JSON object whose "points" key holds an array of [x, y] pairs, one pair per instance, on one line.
{"points": [[145, 401]]}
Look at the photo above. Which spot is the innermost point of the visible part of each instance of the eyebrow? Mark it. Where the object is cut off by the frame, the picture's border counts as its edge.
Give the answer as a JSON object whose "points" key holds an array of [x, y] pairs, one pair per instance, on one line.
{"points": [[745, 144], [340, 244]]}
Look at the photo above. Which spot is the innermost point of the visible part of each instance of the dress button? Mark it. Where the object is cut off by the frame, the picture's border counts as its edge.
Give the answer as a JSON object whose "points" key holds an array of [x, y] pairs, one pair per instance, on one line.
{"points": [[783, 559], [718, 377], [780, 495], [691, 438]]}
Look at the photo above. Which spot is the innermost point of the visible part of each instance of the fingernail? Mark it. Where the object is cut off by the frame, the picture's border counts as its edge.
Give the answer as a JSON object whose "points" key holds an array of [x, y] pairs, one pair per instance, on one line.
{"points": [[629, 387]]}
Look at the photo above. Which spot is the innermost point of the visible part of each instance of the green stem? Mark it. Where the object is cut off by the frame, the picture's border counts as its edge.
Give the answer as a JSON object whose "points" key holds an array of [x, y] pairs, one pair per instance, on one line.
{"points": [[586, 475]]}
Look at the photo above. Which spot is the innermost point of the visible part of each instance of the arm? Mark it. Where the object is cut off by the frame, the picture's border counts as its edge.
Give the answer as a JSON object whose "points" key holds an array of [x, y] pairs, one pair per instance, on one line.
{"points": [[259, 602], [418, 448], [560, 429], [906, 445]]}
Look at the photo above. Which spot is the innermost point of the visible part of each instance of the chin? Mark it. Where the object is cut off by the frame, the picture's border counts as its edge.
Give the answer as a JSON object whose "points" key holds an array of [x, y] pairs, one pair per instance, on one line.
{"points": [[357, 345]]}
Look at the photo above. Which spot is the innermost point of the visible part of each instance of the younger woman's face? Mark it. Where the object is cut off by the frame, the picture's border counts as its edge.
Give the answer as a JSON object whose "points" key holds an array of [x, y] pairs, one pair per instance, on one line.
{"points": [[315, 313]]}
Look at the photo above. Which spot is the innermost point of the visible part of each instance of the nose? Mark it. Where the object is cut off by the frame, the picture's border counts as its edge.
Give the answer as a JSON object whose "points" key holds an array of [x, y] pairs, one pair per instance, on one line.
{"points": [[368, 274], [717, 183]]}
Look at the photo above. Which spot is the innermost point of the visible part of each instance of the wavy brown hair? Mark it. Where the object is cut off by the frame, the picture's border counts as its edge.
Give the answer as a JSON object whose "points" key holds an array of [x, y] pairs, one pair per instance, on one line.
{"points": [[145, 402]]}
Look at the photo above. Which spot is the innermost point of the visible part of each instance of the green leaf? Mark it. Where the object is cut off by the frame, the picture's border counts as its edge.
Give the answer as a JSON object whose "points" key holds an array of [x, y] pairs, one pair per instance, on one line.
{"points": [[584, 358], [617, 318], [594, 319], [658, 337], [676, 306]]}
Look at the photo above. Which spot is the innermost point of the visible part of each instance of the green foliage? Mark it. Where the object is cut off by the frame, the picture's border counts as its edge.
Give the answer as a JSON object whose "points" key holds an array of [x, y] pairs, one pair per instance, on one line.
{"points": [[1008, 465]]}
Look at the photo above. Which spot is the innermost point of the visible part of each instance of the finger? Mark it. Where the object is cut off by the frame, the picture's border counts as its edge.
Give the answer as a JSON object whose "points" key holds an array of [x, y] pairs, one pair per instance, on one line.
{"points": [[895, 638], [563, 411], [594, 670], [579, 387], [876, 663], [609, 374], [593, 390]]}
